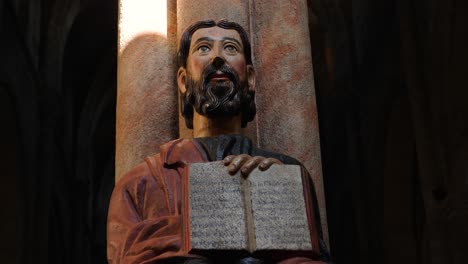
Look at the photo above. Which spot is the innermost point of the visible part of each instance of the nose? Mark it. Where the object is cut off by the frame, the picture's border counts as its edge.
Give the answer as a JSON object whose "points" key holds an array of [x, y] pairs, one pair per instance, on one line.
{"points": [[217, 62]]}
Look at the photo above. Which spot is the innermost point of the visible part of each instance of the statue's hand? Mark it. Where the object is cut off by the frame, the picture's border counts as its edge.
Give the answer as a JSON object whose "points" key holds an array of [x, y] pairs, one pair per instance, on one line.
{"points": [[246, 163]]}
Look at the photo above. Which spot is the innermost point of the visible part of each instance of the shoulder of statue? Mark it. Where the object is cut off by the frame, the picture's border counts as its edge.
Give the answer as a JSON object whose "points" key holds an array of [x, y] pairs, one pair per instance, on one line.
{"points": [[139, 173], [143, 169], [180, 152], [166, 147], [177, 152]]}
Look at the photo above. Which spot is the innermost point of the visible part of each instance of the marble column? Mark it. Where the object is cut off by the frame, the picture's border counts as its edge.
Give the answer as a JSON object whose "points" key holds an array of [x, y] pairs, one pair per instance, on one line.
{"points": [[146, 88], [287, 112]]}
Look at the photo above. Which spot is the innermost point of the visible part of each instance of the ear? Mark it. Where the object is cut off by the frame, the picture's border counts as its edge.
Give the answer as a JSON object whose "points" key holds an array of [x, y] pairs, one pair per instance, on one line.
{"points": [[251, 77], [181, 77]]}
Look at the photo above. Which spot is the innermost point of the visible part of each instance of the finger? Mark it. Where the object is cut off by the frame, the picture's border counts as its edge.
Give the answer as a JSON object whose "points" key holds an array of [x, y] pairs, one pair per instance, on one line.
{"points": [[228, 159], [250, 165], [237, 163], [266, 163]]}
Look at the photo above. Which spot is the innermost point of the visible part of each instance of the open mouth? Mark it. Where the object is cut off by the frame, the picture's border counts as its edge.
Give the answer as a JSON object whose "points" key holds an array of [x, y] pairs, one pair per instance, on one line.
{"points": [[219, 76]]}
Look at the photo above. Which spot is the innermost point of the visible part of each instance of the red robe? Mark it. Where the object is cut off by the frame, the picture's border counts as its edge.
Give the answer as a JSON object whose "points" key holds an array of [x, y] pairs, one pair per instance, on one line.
{"points": [[145, 218]]}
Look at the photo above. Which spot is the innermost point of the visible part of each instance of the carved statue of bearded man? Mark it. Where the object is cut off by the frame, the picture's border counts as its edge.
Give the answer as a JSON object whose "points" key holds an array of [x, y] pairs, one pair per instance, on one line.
{"points": [[216, 80]]}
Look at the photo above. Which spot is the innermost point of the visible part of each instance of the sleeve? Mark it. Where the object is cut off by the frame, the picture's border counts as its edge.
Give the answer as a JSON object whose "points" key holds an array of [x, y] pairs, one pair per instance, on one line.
{"points": [[140, 227]]}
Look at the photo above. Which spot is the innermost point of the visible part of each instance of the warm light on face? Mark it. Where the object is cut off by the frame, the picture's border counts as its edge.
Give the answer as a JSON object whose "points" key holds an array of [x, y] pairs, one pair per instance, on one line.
{"points": [[141, 16]]}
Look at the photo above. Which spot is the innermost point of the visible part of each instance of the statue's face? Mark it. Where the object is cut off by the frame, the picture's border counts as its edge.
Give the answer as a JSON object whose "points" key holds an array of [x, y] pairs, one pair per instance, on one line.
{"points": [[216, 80], [209, 43]]}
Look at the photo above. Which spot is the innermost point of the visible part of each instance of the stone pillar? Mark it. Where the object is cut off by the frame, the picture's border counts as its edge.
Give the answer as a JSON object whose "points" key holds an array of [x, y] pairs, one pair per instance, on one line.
{"points": [[189, 12], [146, 88], [287, 112]]}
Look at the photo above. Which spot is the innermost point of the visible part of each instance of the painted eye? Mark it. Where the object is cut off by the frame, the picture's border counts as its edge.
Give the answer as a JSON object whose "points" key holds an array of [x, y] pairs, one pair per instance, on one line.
{"points": [[204, 48], [231, 48]]}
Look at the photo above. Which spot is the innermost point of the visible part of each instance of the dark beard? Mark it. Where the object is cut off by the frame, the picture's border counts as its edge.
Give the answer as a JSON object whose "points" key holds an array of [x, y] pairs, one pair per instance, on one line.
{"points": [[216, 99]]}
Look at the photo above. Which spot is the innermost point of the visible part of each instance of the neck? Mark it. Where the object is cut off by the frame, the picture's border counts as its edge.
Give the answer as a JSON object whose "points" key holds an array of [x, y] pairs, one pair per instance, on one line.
{"points": [[209, 127]]}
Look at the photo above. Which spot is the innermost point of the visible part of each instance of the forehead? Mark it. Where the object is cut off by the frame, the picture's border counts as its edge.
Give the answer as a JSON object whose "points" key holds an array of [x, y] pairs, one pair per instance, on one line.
{"points": [[215, 33]]}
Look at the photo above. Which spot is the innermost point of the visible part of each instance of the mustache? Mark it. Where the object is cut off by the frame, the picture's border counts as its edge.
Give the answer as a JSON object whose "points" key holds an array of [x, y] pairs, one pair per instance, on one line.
{"points": [[225, 69]]}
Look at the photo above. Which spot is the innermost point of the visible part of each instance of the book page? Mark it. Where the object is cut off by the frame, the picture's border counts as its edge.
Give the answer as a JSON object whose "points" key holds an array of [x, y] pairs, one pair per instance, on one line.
{"points": [[216, 208], [279, 212]]}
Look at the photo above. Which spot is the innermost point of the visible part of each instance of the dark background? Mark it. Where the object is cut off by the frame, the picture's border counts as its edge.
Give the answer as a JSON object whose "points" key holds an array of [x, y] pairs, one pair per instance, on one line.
{"points": [[392, 95]]}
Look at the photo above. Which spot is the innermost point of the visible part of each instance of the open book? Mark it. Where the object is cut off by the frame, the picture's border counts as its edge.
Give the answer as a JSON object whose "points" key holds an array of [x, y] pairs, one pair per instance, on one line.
{"points": [[268, 211]]}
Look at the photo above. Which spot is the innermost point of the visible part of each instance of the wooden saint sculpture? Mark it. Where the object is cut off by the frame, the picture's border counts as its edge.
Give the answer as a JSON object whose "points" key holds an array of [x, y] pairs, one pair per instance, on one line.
{"points": [[216, 80]]}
